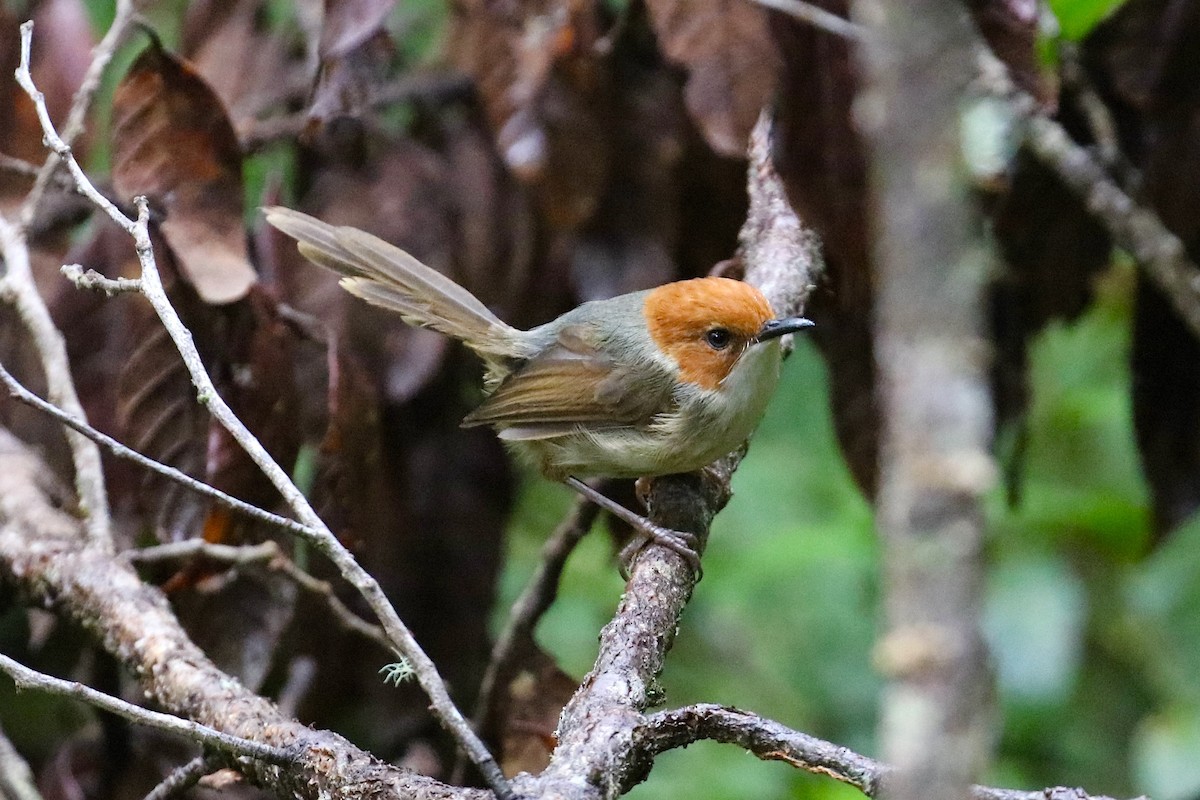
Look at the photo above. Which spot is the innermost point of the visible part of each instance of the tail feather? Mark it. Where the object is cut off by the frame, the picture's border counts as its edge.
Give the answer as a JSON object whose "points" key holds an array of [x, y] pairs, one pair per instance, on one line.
{"points": [[386, 276]]}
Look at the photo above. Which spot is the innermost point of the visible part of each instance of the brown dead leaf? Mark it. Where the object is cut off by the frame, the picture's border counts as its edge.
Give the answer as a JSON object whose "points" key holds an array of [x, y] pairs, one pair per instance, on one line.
{"points": [[527, 711], [822, 160], [243, 62], [632, 241], [256, 378], [173, 143], [547, 95], [354, 51], [1144, 60], [156, 409], [731, 60], [59, 59]]}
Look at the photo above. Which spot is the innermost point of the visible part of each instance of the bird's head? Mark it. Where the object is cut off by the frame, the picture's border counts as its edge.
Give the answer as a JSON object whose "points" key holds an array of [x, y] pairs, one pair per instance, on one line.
{"points": [[707, 324]]}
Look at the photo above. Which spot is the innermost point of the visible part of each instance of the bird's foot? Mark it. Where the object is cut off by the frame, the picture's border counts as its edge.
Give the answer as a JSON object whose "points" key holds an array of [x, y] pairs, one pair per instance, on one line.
{"points": [[682, 543], [645, 532]]}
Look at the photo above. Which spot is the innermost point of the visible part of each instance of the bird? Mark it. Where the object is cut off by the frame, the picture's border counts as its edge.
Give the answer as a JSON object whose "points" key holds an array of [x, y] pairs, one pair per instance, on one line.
{"points": [[653, 382]]}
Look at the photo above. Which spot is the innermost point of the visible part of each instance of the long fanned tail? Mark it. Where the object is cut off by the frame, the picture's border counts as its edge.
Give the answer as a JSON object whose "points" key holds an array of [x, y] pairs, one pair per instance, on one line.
{"points": [[386, 276]]}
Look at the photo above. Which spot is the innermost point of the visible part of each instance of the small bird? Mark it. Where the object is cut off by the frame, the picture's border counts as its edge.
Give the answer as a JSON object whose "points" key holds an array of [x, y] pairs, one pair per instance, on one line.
{"points": [[649, 383]]}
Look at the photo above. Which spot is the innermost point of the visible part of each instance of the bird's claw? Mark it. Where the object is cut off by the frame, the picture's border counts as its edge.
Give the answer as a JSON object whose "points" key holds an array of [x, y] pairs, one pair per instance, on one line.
{"points": [[682, 543]]}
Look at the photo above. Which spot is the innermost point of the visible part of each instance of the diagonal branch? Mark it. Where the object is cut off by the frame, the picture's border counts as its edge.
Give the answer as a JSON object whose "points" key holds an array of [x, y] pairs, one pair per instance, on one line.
{"points": [[315, 530], [101, 592], [26, 678]]}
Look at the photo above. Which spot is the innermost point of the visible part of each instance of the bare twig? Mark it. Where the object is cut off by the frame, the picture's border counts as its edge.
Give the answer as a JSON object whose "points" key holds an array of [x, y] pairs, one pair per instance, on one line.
{"points": [[314, 530], [19, 392], [123, 19], [537, 596], [817, 17], [268, 553], [771, 741], [1099, 118], [18, 166], [101, 592], [183, 777], [95, 281], [20, 290], [27, 678], [1133, 227], [16, 778]]}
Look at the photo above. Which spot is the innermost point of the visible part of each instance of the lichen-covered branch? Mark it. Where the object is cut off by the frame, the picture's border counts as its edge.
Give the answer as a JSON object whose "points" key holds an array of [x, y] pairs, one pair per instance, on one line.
{"points": [[314, 531]]}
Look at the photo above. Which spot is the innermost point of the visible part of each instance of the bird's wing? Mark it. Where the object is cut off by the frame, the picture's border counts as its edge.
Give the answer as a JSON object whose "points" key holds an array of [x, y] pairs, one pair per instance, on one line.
{"points": [[571, 382]]}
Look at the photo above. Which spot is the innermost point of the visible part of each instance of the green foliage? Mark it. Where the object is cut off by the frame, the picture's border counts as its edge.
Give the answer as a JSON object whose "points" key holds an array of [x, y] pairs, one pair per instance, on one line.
{"points": [[1078, 17]]}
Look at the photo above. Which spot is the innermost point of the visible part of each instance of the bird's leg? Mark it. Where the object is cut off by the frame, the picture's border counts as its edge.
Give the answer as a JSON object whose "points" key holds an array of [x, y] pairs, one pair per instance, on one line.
{"points": [[681, 542]]}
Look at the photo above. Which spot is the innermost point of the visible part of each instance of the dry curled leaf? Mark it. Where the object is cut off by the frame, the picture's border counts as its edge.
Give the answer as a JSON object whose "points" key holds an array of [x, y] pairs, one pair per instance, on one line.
{"points": [[731, 60], [822, 160], [244, 62], [547, 94], [354, 51], [173, 142], [59, 59]]}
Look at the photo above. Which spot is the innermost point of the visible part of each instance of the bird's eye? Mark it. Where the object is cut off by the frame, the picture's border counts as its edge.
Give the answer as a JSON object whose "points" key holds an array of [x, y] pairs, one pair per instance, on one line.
{"points": [[718, 338]]}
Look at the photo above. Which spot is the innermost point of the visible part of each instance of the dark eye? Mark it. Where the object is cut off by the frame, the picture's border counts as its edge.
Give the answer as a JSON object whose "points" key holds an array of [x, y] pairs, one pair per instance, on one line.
{"points": [[718, 338]]}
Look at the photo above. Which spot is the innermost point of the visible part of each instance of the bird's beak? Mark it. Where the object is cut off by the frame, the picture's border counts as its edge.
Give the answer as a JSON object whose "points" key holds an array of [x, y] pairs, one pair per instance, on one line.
{"points": [[773, 329]]}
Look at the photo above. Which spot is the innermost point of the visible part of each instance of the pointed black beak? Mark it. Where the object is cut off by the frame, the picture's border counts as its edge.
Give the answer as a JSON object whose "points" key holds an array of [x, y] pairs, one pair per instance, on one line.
{"points": [[773, 329]]}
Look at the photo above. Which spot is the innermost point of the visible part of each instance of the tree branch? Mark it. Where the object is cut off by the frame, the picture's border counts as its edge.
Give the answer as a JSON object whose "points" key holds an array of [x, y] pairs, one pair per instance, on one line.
{"points": [[315, 530], [19, 289], [124, 17], [771, 741], [40, 553], [26, 678]]}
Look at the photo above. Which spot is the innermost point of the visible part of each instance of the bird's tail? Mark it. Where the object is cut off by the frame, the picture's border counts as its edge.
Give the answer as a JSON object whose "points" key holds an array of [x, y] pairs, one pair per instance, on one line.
{"points": [[386, 276]]}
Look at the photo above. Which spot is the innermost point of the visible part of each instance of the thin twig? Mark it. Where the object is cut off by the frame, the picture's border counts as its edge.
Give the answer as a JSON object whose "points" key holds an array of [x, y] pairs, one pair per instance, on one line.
{"points": [[1133, 227], [314, 530], [537, 596], [16, 778], [270, 554], [123, 19], [93, 280], [183, 777], [1098, 115], [18, 166], [27, 678], [20, 290], [19, 392], [816, 16]]}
